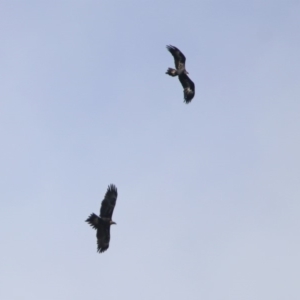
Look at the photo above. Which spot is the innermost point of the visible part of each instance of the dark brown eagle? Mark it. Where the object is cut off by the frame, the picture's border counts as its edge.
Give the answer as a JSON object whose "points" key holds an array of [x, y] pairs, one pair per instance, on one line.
{"points": [[102, 223], [186, 82]]}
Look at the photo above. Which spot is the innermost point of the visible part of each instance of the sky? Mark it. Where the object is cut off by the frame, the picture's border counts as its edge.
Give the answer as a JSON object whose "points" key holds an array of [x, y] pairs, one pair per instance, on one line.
{"points": [[208, 193]]}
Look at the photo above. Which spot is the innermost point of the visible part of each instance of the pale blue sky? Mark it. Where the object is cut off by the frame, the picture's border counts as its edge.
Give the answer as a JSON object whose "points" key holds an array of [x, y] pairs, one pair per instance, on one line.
{"points": [[208, 204]]}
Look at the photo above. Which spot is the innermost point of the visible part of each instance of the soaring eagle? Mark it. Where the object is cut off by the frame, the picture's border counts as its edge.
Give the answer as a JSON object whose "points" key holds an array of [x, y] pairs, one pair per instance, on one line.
{"points": [[102, 223], [186, 82]]}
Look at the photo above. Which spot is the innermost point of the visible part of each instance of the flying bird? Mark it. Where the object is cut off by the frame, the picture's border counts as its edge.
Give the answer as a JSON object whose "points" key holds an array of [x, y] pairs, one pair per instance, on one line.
{"points": [[102, 224], [181, 72]]}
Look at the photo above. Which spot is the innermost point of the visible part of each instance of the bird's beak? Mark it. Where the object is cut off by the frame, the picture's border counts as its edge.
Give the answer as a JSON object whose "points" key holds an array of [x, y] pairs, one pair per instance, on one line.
{"points": [[113, 223]]}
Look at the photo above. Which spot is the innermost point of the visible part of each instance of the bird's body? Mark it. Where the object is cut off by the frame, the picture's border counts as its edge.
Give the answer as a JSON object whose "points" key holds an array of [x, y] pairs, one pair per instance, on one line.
{"points": [[181, 72], [102, 224]]}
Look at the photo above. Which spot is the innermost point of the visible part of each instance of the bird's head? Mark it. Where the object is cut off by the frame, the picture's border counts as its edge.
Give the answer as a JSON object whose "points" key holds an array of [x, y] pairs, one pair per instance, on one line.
{"points": [[112, 222]]}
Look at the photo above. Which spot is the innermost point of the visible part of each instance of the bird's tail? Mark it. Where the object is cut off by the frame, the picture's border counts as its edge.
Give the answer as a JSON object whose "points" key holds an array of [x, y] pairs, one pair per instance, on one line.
{"points": [[93, 220], [172, 72]]}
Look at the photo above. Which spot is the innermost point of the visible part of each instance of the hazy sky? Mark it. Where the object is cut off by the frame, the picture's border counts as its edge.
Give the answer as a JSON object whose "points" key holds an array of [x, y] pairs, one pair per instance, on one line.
{"points": [[209, 199]]}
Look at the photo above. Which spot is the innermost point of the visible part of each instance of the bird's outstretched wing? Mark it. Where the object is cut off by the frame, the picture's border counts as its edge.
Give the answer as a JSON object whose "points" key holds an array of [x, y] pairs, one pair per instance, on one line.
{"points": [[93, 220], [109, 202], [103, 236], [189, 87], [179, 58]]}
